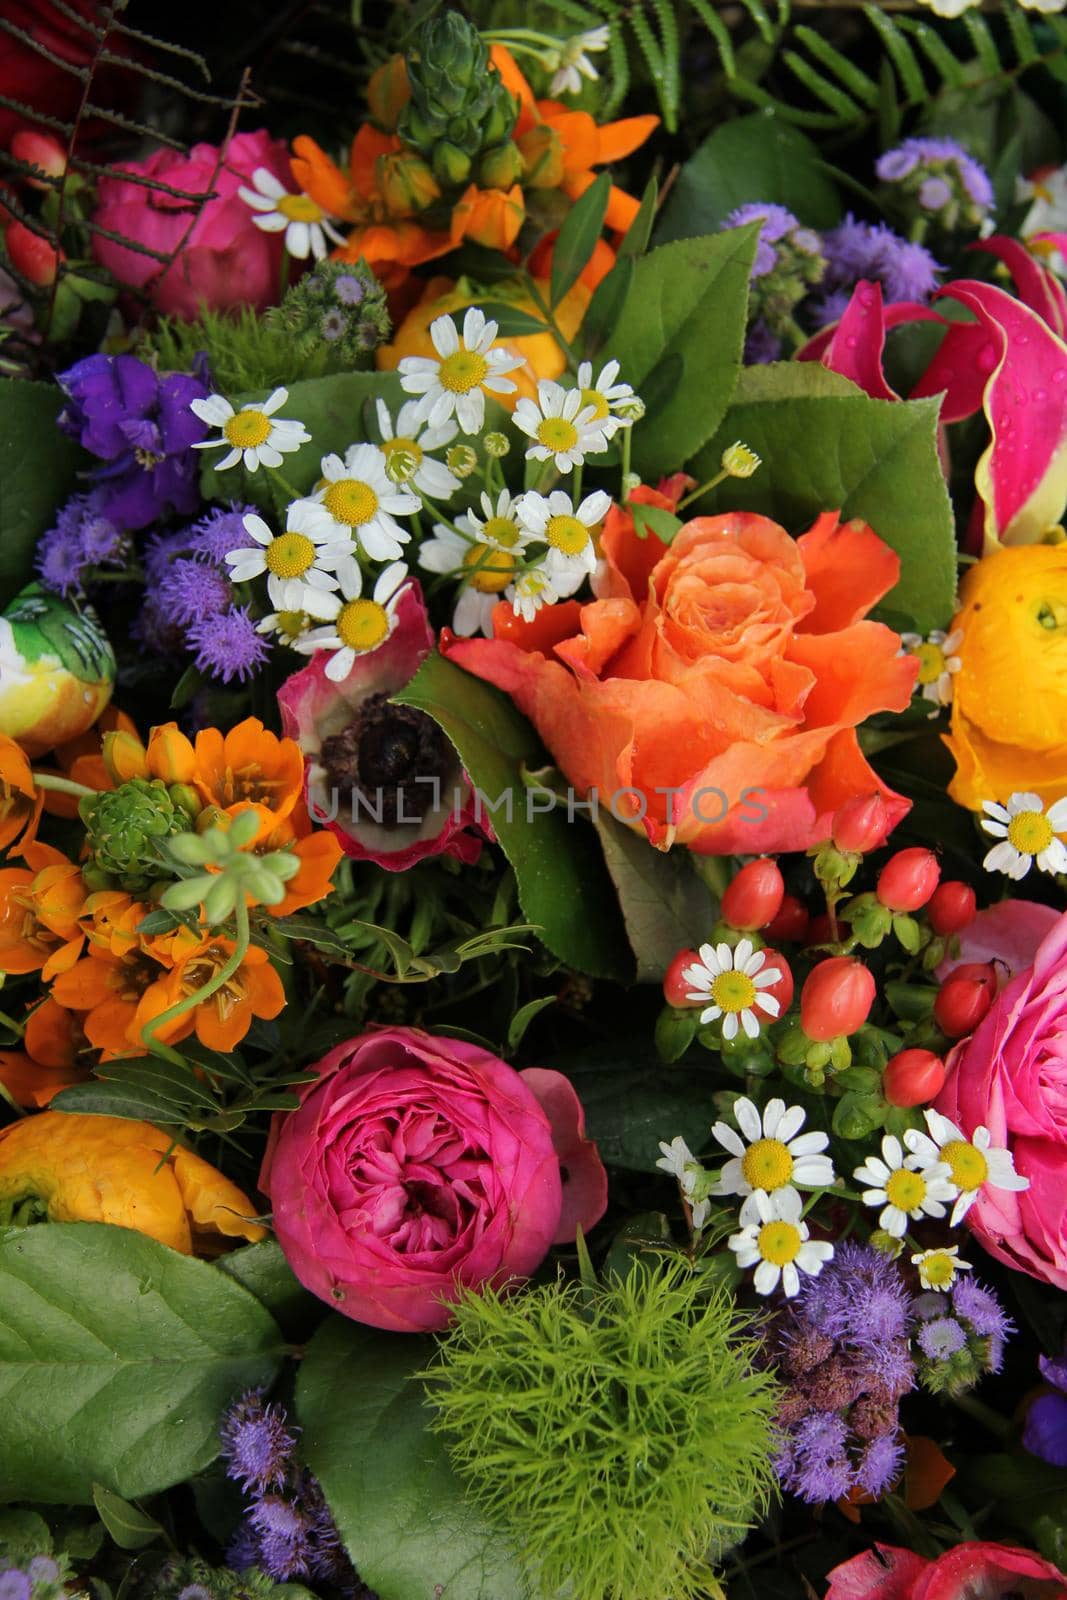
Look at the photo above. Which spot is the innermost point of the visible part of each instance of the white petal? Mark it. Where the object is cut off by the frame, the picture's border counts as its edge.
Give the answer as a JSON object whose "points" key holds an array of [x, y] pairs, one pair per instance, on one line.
{"points": [[728, 1139], [765, 1278], [748, 1119]]}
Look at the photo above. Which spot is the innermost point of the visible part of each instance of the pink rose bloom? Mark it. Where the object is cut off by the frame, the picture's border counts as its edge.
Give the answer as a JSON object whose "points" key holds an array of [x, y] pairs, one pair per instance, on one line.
{"points": [[417, 1165], [1011, 1077], [225, 261], [1007, 933], [971, 1571], [384, 779]]}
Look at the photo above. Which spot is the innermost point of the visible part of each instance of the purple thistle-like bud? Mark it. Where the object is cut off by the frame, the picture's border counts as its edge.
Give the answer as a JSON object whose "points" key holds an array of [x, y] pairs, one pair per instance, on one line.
{"points": [[215, 535], [821, 1469], [880, 1464], [191, 590], [284, 1532], [941, 1338], [227, 645], [256, 1443]]}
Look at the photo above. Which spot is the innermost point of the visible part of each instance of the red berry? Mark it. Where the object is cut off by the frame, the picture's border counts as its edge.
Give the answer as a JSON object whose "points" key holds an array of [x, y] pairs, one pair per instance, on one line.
{"points": [[861, 825], [675, 988], [39, 150], [908, 879], [913, 1078], [754, 898], [953, 907], [820, 930], [965, 997], [782, 989], [31, 255], [836, 998], [791, 923]]}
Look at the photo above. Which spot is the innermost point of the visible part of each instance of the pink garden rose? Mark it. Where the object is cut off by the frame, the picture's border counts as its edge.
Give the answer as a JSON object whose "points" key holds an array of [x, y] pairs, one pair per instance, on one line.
{"points": [[1011, 1077], [225, 261], [1007, 933], [364, 757], [417, 1165], [974, 1570]]}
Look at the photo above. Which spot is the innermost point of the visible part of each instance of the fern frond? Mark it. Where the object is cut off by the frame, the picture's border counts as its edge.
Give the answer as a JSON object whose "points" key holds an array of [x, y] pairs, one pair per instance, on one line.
{"points": [[719, 32], [1022, 36], [819, 85], [899, 52], [935, 50], [851, 77], [984, 43]]}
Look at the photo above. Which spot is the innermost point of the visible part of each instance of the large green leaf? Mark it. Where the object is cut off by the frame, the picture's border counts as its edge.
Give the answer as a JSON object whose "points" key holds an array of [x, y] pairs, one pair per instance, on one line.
{"points": [[563, 885], [828, 448], [679, 341], [755, 158], [37, 467], [665, 905], [117, 1356], [398, 1506], [632, 1101]]}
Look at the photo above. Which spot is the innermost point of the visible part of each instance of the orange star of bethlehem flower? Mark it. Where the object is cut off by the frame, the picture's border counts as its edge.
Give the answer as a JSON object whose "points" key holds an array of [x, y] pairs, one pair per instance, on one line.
{"points": [[49, 1062], [316, 849], [248, 767], [20, 803], [82, 760], [222, 1020], [168, 755], [40, 907]]}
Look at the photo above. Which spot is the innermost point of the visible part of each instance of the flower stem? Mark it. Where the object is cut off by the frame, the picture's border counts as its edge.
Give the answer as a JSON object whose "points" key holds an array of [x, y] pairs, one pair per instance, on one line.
{"points": [[702, 488], [49, 780], [557, 333], [198, 996], [997, 1425]]}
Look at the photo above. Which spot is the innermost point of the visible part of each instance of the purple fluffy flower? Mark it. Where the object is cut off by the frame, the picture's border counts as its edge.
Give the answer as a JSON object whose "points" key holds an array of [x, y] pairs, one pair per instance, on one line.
{"points": [[59, 561], [102, 543], [934, 194], [159, 552], [941, 1337], [939, 169], [195, 1591], [219, 532], [761, 345], [256, 1443], [191, 590], [881, 1464], [227, 645], [15, 1585], [873, 252], [980, 1309], [775, 222], [348, 290], [820, 1468], [283, 1530]]}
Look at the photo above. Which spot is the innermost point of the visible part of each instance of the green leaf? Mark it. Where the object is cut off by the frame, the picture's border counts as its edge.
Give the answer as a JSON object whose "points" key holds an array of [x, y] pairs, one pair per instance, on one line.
{"points": [[37, 468], [564, 888], [635, 240], [524, 1016], [582, 227], [679, 342], [664, 524], [146, 1089], [753, 158], [830, 449], [605, 308], [264, 1272], [130, 1527], [311, 930], [633, 1101], [665, 905], [397, 1504], [511, 322], [117, 1356]]}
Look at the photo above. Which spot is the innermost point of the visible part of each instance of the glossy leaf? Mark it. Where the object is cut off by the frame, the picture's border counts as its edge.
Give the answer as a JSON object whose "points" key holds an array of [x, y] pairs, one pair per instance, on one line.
{"points": [[37, 468], [578, 237], [754, 158]]}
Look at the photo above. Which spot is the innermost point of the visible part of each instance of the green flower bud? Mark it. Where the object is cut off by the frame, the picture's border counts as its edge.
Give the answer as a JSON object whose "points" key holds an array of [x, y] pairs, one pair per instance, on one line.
{"points": [[127, 830], [451, 165], [265, 887], [738, 461], [496, 444], [188, 894], [461, 460], [191, 849], [500, 167], [221, 898], [186, 798], [243, 829]]}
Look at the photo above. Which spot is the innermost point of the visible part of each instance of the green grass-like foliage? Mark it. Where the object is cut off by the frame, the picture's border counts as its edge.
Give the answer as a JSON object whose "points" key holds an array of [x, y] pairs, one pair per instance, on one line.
{"points": [[621, 1434]]}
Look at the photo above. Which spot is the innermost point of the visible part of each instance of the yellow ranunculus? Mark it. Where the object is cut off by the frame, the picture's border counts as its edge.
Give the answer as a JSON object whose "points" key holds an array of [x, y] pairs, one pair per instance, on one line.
{"points": [[107, 1169], [542, 356], [1009, 707]]}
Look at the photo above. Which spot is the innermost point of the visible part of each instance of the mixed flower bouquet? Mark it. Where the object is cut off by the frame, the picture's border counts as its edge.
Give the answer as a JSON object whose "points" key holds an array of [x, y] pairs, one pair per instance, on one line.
{"points": [[533, 744]]}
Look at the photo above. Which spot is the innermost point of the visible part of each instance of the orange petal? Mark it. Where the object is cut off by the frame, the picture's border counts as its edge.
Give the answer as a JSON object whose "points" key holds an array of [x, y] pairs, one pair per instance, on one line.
{"points": [[323, 179], [848, 568], [618, 139], [170, 755], [926, 1472]]}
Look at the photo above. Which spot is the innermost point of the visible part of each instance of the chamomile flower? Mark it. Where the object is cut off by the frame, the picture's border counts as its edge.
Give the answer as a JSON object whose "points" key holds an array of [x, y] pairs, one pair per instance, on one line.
{"points": [[413, 436], [607, 397], [574, 63], [534, 588], [1027, 834], [456, 384], [357, 625], [563, 428], [732, 981], [299, 563], [938, 664], [567, 530], [305, 224], [904, 1186], [775, 1241], [253, 433], [939, 1269], [679, 1161], [771, 1153], [363, 501], [972, 1163], [287, 626], [485, 567]]}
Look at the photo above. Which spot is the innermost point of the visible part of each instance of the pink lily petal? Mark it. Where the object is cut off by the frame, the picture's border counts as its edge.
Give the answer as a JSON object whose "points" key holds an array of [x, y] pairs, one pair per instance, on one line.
{"points": [[959, 370], [585, 1182], [1036, 286]]}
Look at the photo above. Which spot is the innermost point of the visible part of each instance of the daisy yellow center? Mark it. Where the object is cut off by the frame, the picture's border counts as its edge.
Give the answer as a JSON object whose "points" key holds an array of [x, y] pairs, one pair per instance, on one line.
{"points": [[939, 1269], [970, 1169], [492, 569], [906, 1189], [299, 208], [779, 1242], [567, 534], [351, 501], [1030, 832], [733, 991], [291, 624], [594, 398], [767, 1164], [557, 434], [362, 625], [931, 662], [502, 530], [290, 555], [247, 429], [462, 371], [408, 446]]}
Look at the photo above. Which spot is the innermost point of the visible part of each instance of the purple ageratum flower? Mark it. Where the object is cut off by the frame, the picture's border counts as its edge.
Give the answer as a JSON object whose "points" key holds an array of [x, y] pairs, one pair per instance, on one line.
{"points": [[227, 645], [256, 1443], [15, 1585], [190, 590], [914, 154], [818, 1469], [348, 290], [941, 1338], [219, 532], [1045, 1433], [59, 561], [934, 194], [881, 1464], [775, 222], [979, 1307], [761, 345], [865, 250], [195, 1591], [102, 543], [283, 1531], [859, 1299], [159, 552]]}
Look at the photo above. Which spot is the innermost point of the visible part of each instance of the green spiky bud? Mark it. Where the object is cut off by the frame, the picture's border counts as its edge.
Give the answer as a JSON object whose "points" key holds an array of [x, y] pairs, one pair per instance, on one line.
{"points": [[125, 830]]}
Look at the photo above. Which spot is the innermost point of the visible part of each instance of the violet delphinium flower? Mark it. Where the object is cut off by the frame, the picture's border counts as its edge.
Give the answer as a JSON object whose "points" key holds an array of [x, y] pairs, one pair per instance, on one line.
{"points": [[256, 1444], [227, 645], [1045, 1433]]}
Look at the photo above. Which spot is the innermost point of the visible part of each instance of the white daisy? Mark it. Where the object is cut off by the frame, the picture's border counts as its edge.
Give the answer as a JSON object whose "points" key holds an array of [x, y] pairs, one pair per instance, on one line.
{"points": [[606, 396], [564, 430], [468, 367], [287, 626], [1027, 834], [532, 589], [412, 436], [905, 1186], [938, 1269], [938, 663], [252, 433], [363, 501], [972, 1163], [574, 64], [775, 1241], [484, 567], [305, 224], [732, 980], [771, 1153], [679, 1161], [950, 8], [299, 563], [357, 625], [567, 531]]}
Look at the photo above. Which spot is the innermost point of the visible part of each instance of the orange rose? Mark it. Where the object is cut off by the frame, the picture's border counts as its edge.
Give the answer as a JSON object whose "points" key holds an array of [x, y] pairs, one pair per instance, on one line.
{"points": [[712, 692]]}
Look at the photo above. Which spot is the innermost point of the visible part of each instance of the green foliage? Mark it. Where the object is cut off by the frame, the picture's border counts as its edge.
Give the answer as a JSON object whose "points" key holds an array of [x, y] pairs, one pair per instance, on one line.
{"points": [[754, 158], [630, 1100], [37, 467], [620, 1433], [125, 829], [665, 904], [117, 1356], [397, 1503]]}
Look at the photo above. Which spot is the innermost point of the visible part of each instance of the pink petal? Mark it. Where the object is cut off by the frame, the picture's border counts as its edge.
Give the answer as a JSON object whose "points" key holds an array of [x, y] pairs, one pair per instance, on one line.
{"points": [[1036, 286], [585, 1182]]}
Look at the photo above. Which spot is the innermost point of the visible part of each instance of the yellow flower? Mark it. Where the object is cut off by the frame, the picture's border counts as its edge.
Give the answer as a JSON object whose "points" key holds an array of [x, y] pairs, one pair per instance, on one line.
{"points": [[106, 1169], [1009, 707]]}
